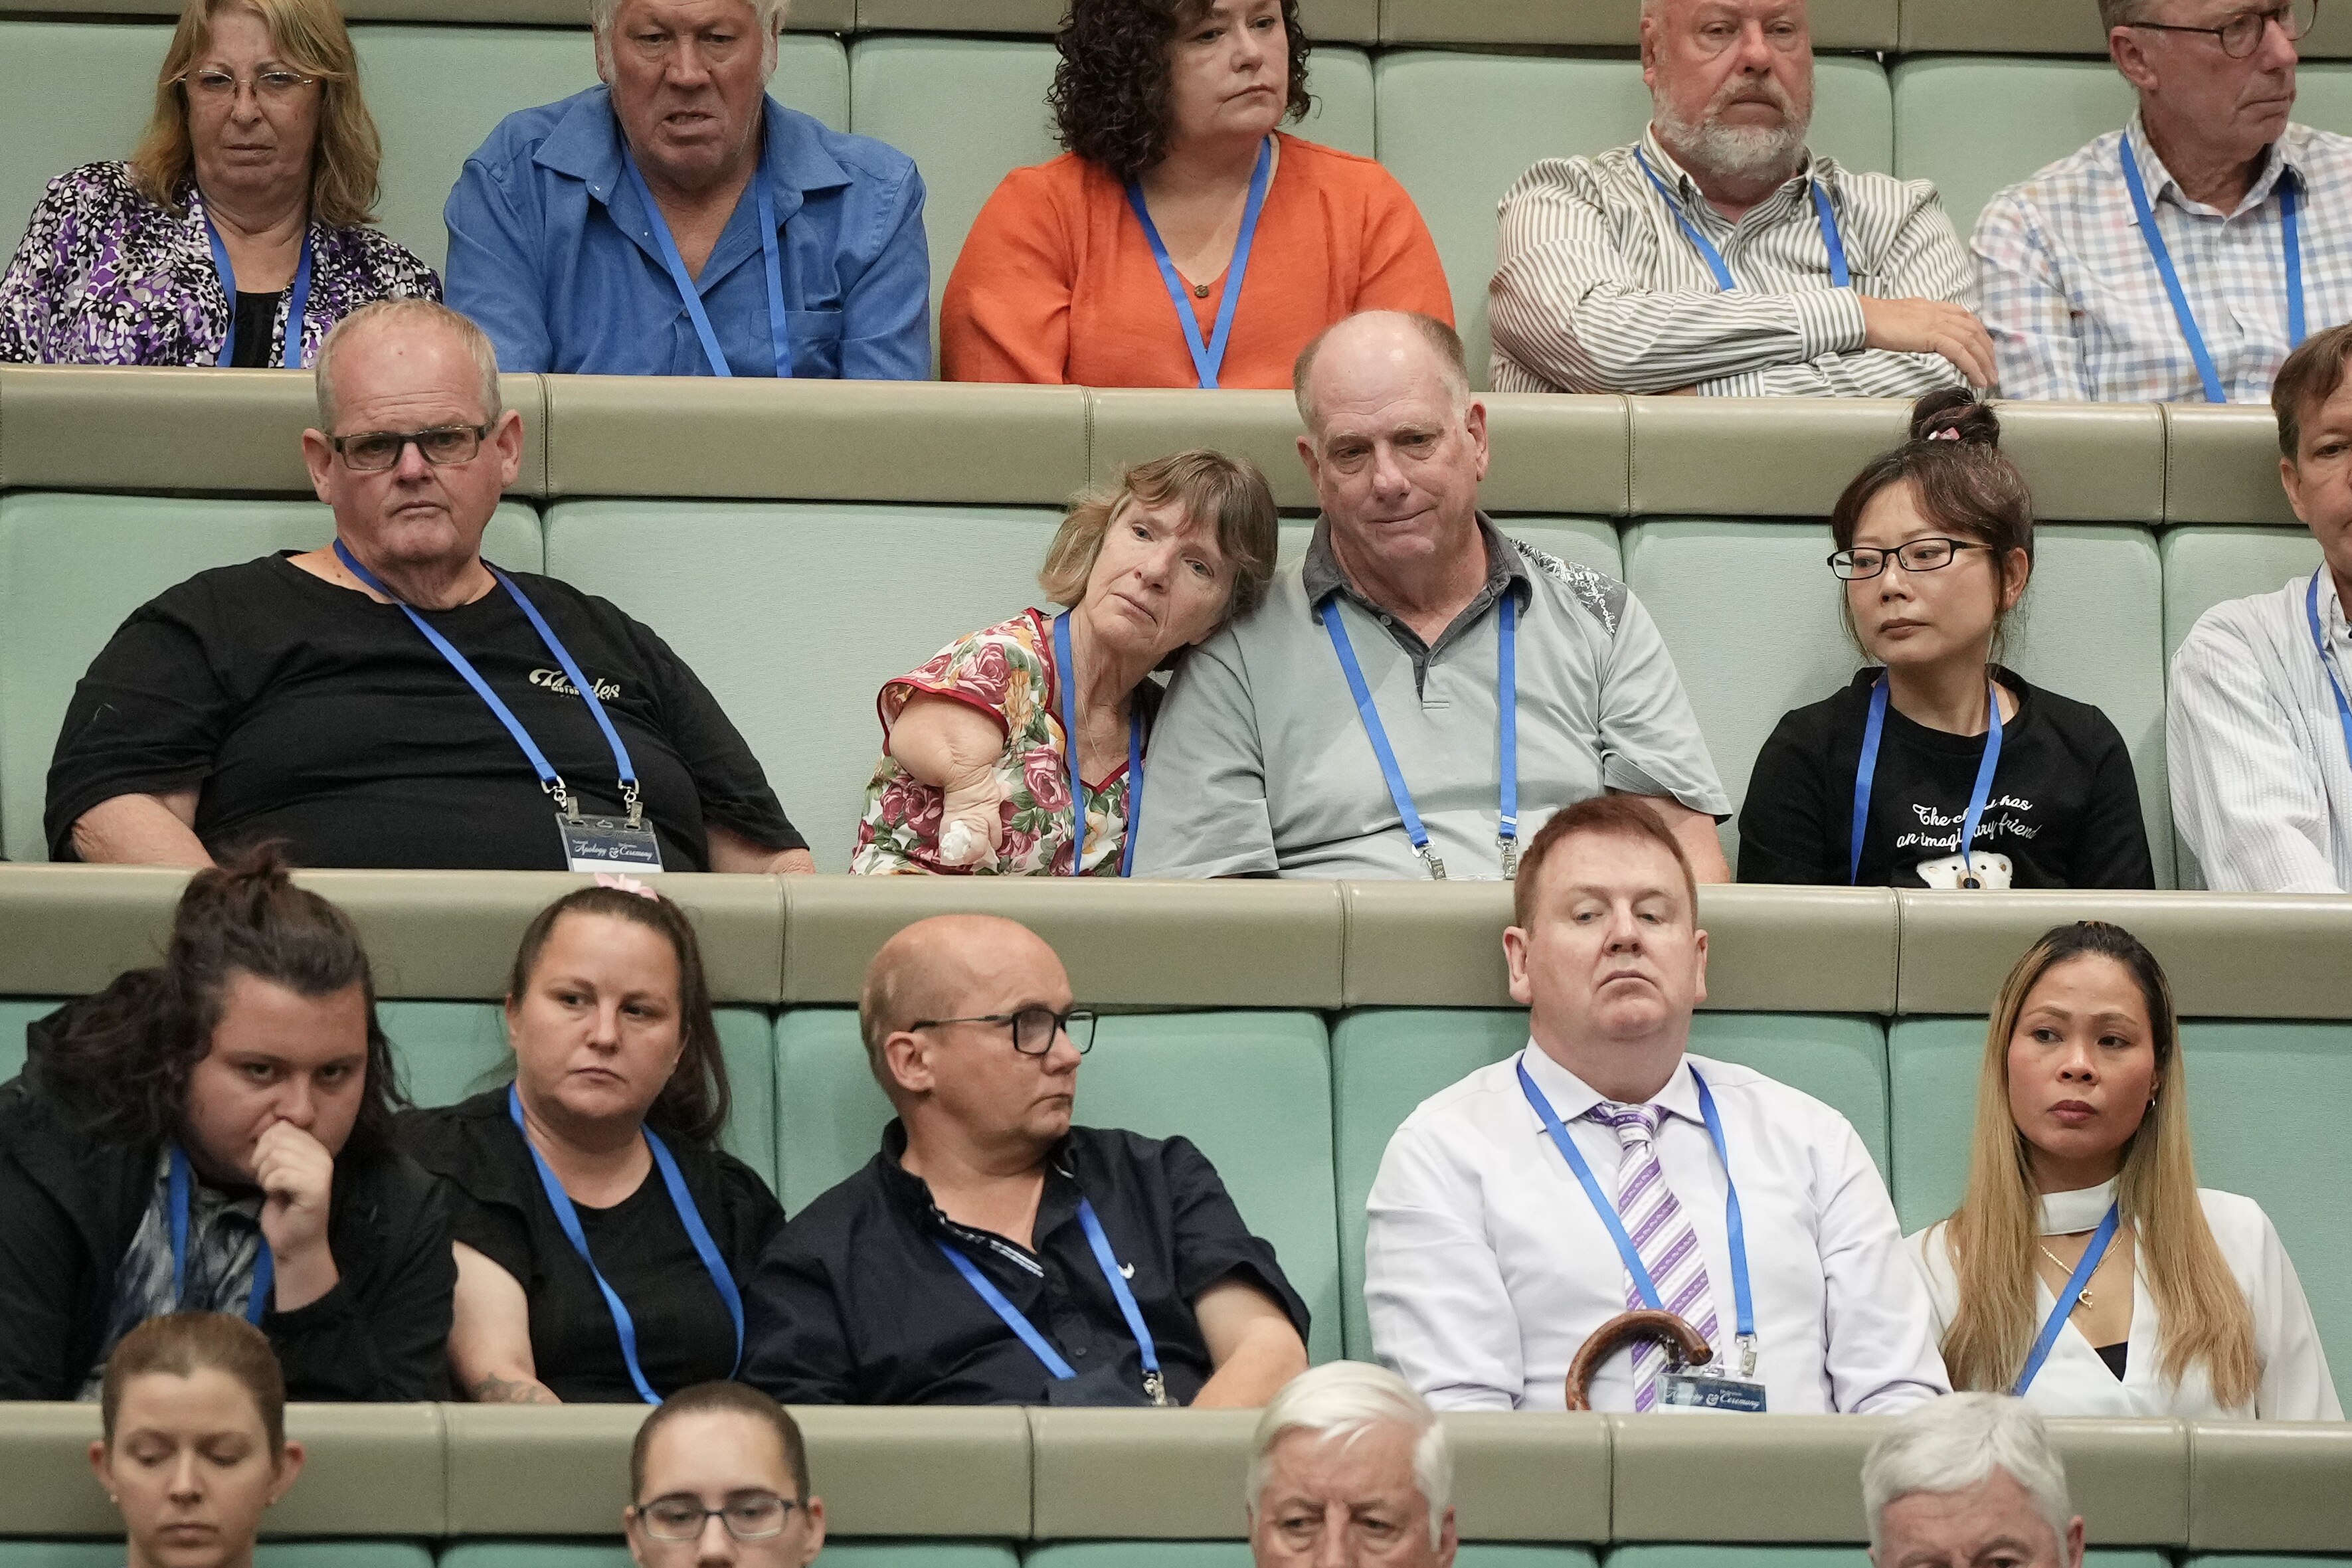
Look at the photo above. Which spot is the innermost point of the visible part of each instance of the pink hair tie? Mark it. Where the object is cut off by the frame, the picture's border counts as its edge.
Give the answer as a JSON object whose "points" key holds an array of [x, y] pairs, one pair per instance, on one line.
{"points": [[1947, 434], [619, 883]]}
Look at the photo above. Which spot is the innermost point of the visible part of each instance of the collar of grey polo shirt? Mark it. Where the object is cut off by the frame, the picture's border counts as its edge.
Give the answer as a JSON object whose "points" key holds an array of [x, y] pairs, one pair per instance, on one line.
{"points": [[1323, 575]]}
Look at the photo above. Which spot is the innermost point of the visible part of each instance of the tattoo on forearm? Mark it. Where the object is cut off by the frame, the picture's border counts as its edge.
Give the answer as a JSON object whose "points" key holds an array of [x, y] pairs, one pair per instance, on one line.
{"points": [[511, 1391]]}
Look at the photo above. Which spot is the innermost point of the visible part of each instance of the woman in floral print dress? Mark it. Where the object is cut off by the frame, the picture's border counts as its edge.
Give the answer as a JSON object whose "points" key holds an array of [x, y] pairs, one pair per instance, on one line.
{"points": [[975, 776], [241, 221]]}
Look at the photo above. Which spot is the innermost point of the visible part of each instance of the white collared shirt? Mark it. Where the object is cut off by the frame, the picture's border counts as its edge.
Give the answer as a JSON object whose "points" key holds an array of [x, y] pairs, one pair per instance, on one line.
{"points": [[2079, 312], [1486, 1266], [2075, 1380], [2262, 780]]}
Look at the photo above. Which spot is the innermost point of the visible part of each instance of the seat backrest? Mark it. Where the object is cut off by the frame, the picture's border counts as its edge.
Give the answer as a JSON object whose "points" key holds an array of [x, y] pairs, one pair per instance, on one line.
{"points": [[1251, 1090], [70, 93], [1457, 129]]}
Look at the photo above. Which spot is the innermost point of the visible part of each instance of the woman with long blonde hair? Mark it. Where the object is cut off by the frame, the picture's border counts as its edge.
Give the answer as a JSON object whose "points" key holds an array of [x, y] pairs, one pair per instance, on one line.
{"points": [[239, 231], [2179, 1301]]}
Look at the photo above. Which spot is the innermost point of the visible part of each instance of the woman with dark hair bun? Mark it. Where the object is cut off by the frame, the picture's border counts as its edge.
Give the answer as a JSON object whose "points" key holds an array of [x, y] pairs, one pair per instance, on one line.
{"points": [[1937, 767], [214, 1134], [602, 1236], [1181, 241]]}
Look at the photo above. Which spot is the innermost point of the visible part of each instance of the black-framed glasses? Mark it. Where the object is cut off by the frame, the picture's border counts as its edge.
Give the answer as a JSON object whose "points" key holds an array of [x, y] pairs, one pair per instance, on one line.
{"points": [[748, 1516], [1916, 555], [2241, 34], [374, 451], [1033, 1029]]}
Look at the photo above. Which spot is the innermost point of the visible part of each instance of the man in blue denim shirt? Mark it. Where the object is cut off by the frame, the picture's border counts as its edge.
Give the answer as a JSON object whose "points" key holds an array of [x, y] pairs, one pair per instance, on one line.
{"points": [[678, 221]]}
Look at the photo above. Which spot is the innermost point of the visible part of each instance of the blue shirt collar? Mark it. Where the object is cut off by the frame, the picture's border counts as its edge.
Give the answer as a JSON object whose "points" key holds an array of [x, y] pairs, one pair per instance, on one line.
{"points": [[586, 145]]}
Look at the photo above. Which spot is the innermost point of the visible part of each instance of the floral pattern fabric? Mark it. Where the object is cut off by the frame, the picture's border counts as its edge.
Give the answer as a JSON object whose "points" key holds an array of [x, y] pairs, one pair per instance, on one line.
{"points": [[105, 276], [1006, 671]]}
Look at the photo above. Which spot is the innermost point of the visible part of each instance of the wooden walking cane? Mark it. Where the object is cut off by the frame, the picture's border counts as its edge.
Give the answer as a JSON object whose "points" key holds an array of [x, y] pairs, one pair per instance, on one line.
{"points": [[1682, 1343]]}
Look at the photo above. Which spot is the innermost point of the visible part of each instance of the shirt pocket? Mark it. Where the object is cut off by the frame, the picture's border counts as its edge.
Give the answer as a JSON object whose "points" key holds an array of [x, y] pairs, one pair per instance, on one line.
{"points": [[817, 343]]}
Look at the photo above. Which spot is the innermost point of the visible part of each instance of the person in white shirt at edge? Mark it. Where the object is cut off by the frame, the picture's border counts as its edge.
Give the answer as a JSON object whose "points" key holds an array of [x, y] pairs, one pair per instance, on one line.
{"points": [[1968, 1481], [2181, 1302], [2250, 215], [1489, 1262], [2256, 726], [1352, 724], [1349, 1469], [1718, 255]]}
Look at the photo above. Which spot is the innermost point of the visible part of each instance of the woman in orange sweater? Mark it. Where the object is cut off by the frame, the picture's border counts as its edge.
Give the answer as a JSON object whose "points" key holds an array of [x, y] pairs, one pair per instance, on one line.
{"points": [[1181, 241]]}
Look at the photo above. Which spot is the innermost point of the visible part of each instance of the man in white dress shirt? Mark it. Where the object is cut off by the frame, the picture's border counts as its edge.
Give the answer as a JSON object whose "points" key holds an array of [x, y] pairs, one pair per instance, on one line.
{"points": [[1967, 1480], [1617, 274], [2080, 289], [1492, 1258], [2256, 730]]}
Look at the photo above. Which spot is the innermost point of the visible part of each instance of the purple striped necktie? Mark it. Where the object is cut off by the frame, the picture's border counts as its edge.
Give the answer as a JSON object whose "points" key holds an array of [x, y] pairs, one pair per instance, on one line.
{"points": [[1662, 1235]]}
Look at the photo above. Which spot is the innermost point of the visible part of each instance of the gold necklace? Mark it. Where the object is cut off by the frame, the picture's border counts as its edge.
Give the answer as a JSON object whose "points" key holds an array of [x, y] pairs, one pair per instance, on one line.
{"points": [[2063, 1268]]}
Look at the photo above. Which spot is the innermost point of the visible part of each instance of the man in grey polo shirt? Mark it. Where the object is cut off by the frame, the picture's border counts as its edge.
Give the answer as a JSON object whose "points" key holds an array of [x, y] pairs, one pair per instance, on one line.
{"points": [[1268, 757]]}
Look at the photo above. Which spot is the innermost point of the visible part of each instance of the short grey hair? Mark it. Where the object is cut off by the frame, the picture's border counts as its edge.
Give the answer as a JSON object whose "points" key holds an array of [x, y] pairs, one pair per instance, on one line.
{"points": [[412, 315], [2117, 13], [1954, 1443], [1343, 1399], [771, 15]]}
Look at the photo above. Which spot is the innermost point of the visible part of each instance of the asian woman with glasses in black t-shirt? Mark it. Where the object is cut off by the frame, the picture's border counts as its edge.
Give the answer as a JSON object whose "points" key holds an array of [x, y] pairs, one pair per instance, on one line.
{"points": [[1935, 766]]}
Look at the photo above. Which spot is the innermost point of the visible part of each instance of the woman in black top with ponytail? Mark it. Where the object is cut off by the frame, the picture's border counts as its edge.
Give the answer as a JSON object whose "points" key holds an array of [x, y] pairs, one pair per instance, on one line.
{"points": [[1937, 767]]}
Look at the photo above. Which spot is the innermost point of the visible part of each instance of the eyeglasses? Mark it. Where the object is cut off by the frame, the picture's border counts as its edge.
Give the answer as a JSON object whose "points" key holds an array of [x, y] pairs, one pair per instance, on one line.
{"points": [[220, 87], [374, 451], [2241, 34], [1033, 1029], [748, 1516], [1916, 555]]}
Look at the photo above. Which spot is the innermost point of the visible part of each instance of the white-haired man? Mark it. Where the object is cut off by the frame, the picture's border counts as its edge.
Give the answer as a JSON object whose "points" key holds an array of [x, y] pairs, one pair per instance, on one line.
{"points": [[1349, 1469], [1718, 254], [2182, 258], [678, 221], [1966, 1480]]}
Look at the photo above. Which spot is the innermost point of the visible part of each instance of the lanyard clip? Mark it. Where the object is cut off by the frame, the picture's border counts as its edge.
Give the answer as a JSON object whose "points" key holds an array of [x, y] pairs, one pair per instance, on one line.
{"points": [[629, 799], [1156, 1387], [1429, 858], [1747, 1343], [1509, 845], [563, 802]]}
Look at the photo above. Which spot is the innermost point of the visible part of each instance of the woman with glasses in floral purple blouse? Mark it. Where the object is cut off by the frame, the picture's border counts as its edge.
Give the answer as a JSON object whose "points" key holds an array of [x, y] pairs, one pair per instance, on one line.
{"points": [[238, 232]]}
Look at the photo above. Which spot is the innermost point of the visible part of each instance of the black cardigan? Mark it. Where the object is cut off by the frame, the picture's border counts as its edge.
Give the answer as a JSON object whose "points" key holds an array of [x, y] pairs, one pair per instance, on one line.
{"points": [[70, 1205]]}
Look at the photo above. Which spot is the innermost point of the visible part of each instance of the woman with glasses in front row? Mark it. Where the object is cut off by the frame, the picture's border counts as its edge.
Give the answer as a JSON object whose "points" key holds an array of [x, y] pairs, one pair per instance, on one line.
{"points": [[241, 229], [1937, 767]]}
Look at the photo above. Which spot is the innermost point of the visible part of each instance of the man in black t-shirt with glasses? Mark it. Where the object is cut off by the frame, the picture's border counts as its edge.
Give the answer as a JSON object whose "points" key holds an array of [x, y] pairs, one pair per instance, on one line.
{"points": [[395, 699]]}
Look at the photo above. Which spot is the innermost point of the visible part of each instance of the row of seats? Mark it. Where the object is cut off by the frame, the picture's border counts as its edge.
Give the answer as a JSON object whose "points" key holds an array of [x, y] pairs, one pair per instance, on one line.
{"points": [[1455, 127], [800, 543], [1287, 1028], [960, 1488]]}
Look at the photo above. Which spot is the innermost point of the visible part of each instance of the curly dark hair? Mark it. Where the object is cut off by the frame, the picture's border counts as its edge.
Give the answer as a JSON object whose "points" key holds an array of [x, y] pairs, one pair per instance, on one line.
{"points": [[1110, 92]]}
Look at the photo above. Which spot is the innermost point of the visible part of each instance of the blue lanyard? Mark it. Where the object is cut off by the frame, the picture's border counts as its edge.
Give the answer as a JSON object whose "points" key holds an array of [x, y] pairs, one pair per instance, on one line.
{"points": [[2158, 250], [688, 1216], [779, 337], [1039, 1345], [1865, 772], [549, 779], [2327, 667], [264, 1271], [1506, 681], [1735, 1229], [1839, 276], [1209, 358], [2075, 1284], [300, 302], [1066, 676]]}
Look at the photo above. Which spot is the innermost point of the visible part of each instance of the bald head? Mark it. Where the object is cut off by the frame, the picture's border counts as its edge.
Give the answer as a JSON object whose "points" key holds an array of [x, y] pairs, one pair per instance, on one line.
{"points": [[1374, 348], [931, 970], [461, 353]]}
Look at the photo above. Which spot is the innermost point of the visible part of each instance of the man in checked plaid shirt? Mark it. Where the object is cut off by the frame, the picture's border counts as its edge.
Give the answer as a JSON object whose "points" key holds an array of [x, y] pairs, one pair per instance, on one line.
{"points": [[2245, 247]]}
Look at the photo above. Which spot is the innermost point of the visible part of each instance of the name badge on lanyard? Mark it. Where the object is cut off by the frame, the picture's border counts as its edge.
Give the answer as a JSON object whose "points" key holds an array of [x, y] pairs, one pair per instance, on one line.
{"points": [[1506, 704], [2076, 1284], [1699, 1389], [1866, 774], [1839, 277], [1209, 356], [1066, 676], [2161, 255], [295, 307], [265, 1269], [590, 843], [771, 254], [1155, 1387], [567, 1217], [2327, 665]]}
